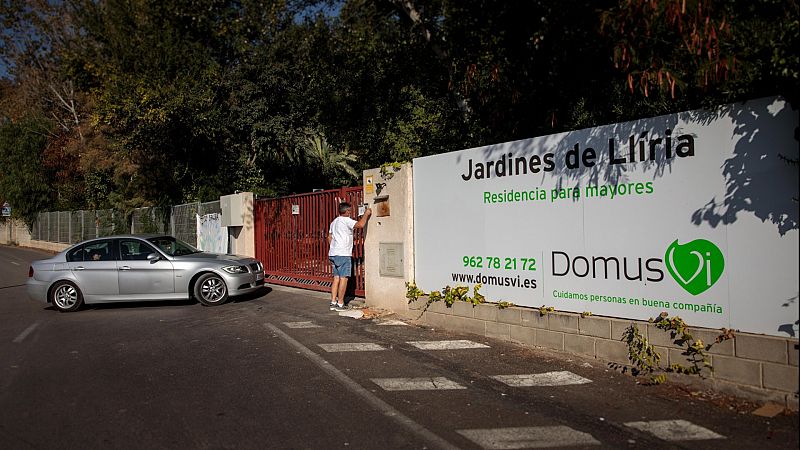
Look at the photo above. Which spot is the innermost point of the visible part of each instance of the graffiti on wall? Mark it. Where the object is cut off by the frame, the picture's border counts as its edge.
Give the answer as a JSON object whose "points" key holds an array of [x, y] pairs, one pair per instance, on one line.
{"points": [[211, 235]]}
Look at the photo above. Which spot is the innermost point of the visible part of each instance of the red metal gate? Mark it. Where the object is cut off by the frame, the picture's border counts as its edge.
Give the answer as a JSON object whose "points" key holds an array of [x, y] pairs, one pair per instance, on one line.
{"points": [[291, 239]]}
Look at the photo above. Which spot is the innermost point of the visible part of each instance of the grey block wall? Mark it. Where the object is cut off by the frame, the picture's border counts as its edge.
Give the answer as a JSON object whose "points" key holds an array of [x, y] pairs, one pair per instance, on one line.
{"points": [[756, 367]]}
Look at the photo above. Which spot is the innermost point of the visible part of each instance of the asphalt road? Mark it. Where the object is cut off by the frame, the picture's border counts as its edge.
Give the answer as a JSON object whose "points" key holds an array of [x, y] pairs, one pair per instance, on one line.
{"points": [[279, 370]]}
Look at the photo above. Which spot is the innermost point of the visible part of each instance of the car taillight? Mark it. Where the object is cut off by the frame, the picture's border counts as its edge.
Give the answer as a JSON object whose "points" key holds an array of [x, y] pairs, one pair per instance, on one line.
{"points": [[30, 271]]}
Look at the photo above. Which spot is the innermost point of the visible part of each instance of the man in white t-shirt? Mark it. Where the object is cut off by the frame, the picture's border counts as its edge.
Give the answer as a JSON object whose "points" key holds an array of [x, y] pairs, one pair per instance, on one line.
{"points": [[340, 240]]}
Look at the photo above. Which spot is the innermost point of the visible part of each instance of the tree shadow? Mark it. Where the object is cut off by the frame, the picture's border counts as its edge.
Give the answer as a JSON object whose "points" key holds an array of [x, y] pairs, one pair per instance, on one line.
{"points": [[757, 180], [790, 328]]}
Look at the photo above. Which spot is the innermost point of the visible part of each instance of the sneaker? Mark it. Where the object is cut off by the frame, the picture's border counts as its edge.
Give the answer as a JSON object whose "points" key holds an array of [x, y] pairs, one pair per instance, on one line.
{"points": [[333, 306], [341, 308]]}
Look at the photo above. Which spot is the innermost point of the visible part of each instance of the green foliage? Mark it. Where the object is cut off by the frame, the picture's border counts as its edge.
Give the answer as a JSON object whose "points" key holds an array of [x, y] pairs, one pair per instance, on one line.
{"points": [[477, 298], [389, 169], [695, 350], [169, 102], [416, 126], [24, 181], [335, 166], [706, 52], [449, 295], [642, 355], [646, 360], [413, 292], [545, 310]]}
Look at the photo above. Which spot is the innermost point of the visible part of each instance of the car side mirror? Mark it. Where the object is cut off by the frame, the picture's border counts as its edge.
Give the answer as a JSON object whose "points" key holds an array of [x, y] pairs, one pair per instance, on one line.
{"points": [[153, 257]]}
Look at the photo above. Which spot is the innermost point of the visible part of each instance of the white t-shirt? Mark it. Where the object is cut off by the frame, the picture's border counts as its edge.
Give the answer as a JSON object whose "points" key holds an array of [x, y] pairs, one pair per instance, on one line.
{"points": [[341, 230]]}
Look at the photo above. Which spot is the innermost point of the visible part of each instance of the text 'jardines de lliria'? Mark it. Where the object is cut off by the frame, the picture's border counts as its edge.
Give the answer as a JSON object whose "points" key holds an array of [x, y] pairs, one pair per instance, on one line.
{"points": [[643, 148]]}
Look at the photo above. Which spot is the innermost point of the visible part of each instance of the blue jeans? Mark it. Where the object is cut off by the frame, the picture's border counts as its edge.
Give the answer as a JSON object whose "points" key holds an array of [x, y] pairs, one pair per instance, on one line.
{"points": [[342, 266]]}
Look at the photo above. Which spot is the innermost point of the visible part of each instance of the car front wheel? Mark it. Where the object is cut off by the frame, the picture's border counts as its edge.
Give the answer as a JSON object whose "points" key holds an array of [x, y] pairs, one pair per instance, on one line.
{"points": [[66, 297], [210, 290]]}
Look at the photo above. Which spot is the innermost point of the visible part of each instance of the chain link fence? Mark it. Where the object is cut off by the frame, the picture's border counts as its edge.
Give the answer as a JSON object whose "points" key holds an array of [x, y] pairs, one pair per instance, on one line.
{"points": [[75, 226], [69, 227], [184, 219], [152, 220]]}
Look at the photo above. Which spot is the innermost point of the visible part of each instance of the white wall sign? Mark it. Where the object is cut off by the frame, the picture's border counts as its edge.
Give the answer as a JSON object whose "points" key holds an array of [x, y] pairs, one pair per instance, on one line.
{"points": [[690, 213]]}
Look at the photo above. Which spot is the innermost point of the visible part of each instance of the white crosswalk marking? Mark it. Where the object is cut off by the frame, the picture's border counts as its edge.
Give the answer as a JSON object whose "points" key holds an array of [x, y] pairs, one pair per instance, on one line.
{"points": [[446, 345], [301, 325], [528, 437], [416, 384], [393, 322], [563, 378], [675, 430], [352, 347]]}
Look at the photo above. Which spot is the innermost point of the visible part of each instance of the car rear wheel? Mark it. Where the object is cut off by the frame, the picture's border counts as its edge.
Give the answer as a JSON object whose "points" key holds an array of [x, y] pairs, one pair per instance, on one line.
{"points": [[66, 297], [210, 290]]}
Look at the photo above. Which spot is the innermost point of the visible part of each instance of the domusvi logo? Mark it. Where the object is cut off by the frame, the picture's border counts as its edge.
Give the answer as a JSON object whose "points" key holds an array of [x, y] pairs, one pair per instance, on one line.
{"points": [[695, 265]]}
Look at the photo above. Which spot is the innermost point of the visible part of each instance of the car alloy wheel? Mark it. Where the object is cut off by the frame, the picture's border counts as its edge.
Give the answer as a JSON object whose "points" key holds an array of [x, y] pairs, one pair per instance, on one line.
{"points": [[66, 297], [210, 290]]}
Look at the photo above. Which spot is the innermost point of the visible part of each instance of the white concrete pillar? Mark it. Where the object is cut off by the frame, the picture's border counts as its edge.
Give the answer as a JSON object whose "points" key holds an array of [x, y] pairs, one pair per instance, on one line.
{"points": [[389, 238], [238, 216]]}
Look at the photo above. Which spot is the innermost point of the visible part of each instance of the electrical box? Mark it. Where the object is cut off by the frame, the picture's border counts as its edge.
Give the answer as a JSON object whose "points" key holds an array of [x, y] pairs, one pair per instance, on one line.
{"points": [[233, 210], [390, 255]]}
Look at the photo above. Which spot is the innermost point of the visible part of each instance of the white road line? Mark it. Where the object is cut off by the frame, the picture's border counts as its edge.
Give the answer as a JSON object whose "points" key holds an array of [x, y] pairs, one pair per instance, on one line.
{"points": [[446, 345], [384, 408], [14, 263], [352, 347], [528, 437], [416, 384], [563, 378], [393, 323], [675, 430], [301, 325], [21, 337]]}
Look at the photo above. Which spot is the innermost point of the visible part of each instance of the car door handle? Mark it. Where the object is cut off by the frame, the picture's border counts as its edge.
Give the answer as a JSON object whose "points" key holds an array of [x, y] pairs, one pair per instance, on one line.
{"points": [[79, 268], [125, 268]]}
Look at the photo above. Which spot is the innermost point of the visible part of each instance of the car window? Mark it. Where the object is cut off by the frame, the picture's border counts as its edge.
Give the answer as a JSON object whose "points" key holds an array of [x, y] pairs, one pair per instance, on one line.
{"points": [[99, 251], [76, 254], [172, 246], [134, 250]]}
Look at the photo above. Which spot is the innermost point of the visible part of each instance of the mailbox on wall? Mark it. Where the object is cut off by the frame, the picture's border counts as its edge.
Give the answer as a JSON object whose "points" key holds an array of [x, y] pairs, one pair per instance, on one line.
{"points": [[382, 206]]}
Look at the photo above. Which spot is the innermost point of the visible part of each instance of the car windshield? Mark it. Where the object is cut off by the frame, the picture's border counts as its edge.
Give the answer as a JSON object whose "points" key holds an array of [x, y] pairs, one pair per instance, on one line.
{"points": [[172, 246]]}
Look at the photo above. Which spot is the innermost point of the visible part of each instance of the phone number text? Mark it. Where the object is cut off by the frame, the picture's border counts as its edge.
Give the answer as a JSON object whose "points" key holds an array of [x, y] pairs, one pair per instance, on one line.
{"points": [[496, 262]]}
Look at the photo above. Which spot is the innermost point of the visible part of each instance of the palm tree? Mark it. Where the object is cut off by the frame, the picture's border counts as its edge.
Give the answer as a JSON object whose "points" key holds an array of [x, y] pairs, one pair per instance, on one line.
{"points": [[318, 151]]}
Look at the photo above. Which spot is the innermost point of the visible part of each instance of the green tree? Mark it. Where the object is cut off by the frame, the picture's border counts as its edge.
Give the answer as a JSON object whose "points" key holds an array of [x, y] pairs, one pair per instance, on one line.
{"points": [[24, 182], [155, 102], [706, 52], [336, 166]]}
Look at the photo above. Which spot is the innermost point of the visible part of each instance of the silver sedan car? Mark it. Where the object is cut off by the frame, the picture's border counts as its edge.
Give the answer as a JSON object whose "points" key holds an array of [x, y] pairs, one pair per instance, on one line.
{"points": [[138, 268]]}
